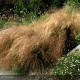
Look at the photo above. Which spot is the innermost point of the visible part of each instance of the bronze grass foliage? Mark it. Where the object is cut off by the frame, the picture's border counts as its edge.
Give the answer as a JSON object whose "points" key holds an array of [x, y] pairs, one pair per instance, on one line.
{"points": [[40, 45]]}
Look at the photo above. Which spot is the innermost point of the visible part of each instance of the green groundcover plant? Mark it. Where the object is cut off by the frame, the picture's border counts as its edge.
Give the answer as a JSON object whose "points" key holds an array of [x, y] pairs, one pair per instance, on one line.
{"points": [[77, 39], [68, 67]]}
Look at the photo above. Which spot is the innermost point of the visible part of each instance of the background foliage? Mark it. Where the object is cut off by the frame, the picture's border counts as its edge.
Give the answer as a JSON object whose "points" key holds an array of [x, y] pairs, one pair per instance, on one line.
{"points": [[33, 7]]}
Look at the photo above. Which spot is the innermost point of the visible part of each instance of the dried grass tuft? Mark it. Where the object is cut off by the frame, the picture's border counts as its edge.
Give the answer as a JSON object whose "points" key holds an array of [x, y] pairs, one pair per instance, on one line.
{"points": [[41, 45]]}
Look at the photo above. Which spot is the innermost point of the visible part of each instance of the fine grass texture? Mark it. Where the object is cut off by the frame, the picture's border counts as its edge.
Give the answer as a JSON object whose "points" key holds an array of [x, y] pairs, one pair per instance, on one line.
{"points": [[41, 45]]}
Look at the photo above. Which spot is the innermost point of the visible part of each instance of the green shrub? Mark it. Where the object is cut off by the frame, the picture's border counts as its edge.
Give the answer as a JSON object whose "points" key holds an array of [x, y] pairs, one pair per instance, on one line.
{"points": [[58, 3], [34, 6], [68, 67], [19, 7], [74, 3], [2, 23], [77, 39], [20, 70]]}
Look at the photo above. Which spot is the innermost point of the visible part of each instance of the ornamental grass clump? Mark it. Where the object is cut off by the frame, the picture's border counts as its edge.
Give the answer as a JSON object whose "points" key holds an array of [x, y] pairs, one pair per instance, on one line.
{"points": [[40, 45]]}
